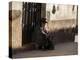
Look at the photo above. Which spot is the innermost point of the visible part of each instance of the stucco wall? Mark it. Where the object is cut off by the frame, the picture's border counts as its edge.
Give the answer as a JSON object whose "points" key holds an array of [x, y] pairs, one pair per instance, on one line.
{"points": [[60, 24], [62, 12], [17, 26], [64, 17]]}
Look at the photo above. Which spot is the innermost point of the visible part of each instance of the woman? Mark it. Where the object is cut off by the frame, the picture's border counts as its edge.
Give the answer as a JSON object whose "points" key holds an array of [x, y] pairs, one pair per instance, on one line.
{"points": [[41, 38]]}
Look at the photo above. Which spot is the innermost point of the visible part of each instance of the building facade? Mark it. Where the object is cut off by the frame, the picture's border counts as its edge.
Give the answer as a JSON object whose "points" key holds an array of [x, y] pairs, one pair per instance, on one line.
{"points": [[66, 14]]}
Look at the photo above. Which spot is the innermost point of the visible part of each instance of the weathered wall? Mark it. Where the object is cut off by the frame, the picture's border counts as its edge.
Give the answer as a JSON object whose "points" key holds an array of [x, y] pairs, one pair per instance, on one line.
{"points": [[60, 24], [62, 12], [62, 30], [63, 18], [16, 25]]}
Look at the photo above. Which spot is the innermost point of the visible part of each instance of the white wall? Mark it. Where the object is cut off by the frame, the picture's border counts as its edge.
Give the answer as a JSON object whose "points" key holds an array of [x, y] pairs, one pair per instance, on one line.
{"points": [[64, 12]]}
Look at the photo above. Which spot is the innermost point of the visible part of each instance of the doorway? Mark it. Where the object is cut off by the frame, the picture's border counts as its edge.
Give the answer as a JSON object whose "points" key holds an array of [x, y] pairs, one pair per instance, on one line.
{"points": [[31, 18]]}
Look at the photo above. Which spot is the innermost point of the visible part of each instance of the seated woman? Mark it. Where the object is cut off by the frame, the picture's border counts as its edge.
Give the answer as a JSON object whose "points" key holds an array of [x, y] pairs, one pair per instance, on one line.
{"points": [[42, 40], [47, 43]]}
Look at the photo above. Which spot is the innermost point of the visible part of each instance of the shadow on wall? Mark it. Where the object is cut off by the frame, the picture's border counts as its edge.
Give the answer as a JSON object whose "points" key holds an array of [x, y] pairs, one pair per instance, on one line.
{"points": [[63, 35]]}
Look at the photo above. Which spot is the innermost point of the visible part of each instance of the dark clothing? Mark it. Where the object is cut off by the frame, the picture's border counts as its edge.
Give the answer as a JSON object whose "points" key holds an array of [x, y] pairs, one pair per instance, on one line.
{"points": [[47, 44], [41, 40]]}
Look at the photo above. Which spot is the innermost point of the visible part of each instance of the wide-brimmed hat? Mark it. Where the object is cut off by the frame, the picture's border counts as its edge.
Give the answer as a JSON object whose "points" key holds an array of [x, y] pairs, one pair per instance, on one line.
{"points": [[43, 20]]}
